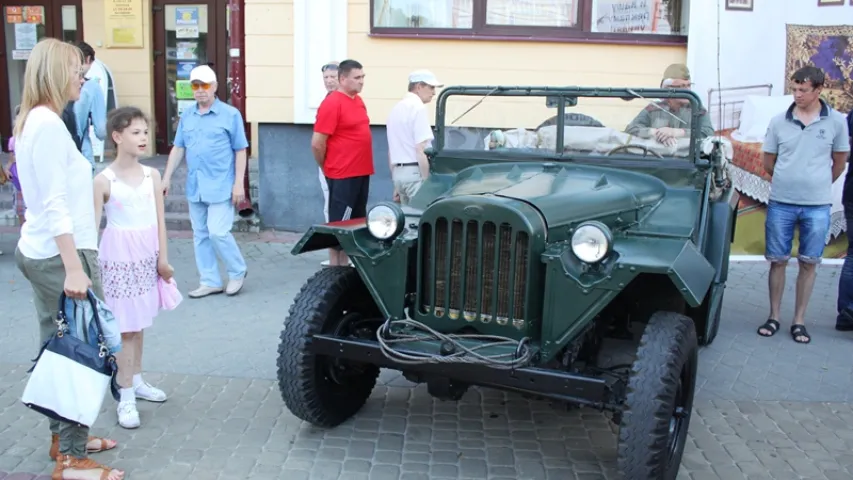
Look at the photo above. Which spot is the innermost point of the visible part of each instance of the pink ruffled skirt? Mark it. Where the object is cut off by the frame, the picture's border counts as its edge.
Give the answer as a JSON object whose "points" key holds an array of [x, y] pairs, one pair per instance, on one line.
{"points": [[128, 260]]}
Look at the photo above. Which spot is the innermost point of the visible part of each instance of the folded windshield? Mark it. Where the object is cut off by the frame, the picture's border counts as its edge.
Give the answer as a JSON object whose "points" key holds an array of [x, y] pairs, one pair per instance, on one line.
{"points": [[638, 125]]}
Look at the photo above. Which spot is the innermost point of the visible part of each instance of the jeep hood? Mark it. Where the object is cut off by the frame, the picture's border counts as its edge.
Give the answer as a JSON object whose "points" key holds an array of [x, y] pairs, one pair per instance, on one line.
{"points": [[563, 193]]}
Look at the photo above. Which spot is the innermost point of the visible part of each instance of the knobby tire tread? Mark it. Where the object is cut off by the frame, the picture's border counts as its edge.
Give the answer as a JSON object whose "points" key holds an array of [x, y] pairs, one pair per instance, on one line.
{"points": [[668, 342], [297, 372]]}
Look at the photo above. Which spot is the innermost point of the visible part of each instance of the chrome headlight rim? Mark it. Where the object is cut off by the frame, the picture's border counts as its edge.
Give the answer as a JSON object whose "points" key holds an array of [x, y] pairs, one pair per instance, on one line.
{"points": [[606, 236], [385, 220]]}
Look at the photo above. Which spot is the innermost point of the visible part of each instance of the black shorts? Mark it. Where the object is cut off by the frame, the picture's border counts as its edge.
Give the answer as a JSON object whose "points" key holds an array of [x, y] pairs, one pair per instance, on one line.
{"points": [[348, 197]]}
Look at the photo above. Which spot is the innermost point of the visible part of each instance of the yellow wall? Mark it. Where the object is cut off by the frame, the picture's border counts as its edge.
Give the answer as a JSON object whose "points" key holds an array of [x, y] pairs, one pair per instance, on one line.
{"points": [[269, 61], [388, 61], [132, 68]]}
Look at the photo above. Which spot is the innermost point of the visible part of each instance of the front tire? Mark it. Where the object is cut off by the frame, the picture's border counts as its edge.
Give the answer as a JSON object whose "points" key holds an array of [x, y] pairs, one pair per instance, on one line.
{"points": [[321, 390], [659, 402]]}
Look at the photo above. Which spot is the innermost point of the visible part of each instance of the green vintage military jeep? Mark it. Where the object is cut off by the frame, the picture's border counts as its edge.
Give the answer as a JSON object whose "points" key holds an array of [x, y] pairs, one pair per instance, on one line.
{"points": [[548, 254]]}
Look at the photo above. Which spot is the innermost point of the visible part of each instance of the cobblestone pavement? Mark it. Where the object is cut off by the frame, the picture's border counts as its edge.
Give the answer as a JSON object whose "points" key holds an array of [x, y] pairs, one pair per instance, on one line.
{"points": [[766, 408]]}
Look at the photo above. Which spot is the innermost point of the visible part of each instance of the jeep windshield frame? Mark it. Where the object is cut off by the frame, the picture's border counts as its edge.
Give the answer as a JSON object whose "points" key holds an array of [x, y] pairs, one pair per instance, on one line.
{"points": [[566, 96]]}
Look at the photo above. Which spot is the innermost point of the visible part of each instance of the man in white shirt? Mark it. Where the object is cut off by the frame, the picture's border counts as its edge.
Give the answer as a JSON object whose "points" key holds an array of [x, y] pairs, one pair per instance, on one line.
{"points": [[409, 133], [330, 81]]}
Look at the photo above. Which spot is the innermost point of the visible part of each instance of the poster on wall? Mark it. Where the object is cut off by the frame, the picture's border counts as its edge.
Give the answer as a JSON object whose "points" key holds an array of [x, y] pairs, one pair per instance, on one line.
{"points": [[631, 16], [186, 51], [186, 16], [183, 105], [18, 14], [123, 20], [186, 31], [742, 5], [183, 90], [183, 70], [26, 36]]}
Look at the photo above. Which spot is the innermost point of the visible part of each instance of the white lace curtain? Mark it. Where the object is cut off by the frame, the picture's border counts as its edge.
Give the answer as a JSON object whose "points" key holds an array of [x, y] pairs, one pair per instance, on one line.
{"points": [[459, 13], [423, 13], [532, 13]]}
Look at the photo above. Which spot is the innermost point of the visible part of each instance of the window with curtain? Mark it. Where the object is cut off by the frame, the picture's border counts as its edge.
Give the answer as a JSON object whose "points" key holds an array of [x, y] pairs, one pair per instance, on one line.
{"points": [[416, 14], [662, 17], [663, 21], [532, 13]]}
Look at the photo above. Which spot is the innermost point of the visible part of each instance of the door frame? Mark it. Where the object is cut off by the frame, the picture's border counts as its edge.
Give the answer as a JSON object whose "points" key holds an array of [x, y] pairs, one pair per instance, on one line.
{"points": [[53, 28], [217, 39]]}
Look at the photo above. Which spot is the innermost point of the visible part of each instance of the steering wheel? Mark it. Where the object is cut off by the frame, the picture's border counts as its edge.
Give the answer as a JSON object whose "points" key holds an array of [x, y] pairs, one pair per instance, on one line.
{"points": [[645, 150]]}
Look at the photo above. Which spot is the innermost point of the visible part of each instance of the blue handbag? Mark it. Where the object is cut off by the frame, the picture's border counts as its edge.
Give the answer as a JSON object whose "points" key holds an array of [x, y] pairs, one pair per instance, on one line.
{"points": [[71, 376]]}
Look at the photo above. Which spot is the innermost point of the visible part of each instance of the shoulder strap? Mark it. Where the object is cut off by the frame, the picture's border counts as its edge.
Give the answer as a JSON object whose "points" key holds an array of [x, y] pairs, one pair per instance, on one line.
{"points": [[111, 176], [146, 170]]}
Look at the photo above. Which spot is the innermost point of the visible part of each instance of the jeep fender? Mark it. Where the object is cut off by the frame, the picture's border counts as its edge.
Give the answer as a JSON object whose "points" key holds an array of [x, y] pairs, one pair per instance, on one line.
{"points": [[371, 258], [677, 258], [721, 233]]}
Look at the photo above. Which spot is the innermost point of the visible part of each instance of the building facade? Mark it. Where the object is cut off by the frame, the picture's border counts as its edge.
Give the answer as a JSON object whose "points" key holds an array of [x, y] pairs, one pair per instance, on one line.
{"points": [[479, 42], [149, 47]]}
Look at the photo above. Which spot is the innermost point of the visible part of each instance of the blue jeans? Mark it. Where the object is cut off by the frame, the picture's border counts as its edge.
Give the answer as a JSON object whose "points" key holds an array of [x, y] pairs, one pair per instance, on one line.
{"points": [[782, 218], [212, 224], [845, 282]]}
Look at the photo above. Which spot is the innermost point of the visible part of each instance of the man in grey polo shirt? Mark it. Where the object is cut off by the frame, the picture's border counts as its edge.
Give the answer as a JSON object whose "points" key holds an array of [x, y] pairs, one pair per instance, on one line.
{"points": [[805, 150]]}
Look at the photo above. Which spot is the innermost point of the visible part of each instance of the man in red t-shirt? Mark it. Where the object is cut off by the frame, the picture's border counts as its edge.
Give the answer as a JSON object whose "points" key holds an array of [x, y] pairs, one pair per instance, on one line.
{"points": [[343, 147]]}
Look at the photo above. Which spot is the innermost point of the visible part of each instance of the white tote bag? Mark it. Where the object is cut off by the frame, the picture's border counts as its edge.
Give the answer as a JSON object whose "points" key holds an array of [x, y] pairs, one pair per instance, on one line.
{"points": [[70, 377]]}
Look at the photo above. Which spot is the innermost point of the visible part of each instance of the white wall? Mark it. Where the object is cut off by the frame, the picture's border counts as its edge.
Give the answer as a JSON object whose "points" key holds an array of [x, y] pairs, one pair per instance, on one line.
{"points": [[752, 44], [319, 37]]}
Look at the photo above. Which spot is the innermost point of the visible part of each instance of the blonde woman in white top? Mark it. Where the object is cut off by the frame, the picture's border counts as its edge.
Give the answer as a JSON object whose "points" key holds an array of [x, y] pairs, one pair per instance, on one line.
{"points": [[58, 249]]}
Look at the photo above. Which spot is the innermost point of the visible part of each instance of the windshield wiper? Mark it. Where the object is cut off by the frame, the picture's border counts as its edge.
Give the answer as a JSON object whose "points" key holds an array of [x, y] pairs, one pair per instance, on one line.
{"points": [[632, 92], [475, 105]]}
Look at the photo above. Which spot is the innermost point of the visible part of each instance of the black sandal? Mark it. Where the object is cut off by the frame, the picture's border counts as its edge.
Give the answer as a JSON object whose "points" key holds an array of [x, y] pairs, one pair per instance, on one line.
{"points": [[800, 331], [771, 325]]}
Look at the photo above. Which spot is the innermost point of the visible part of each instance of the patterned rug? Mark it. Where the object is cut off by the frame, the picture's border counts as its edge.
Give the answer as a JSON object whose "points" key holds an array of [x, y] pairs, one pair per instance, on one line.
{"points": [[749, 232], [829, 48]]}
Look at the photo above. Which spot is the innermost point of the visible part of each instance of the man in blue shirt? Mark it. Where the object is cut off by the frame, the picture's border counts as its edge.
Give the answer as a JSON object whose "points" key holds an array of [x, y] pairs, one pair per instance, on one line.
{"points": [[844, 320], [211, 134], [91, 108]]}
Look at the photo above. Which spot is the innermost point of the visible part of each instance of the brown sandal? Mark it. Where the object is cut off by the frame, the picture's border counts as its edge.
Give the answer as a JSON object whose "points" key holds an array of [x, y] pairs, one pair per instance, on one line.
{"points": [[54, 445], [64, 462]]}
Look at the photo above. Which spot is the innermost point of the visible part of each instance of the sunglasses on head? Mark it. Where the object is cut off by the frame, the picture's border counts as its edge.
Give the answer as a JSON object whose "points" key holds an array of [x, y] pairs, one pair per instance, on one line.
{"points": [[329, 66], [203, 86]]}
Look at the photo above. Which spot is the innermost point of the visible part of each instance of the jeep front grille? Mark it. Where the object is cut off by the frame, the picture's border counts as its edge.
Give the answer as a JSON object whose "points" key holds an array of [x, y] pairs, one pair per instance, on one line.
{"points": [[476, 270]]}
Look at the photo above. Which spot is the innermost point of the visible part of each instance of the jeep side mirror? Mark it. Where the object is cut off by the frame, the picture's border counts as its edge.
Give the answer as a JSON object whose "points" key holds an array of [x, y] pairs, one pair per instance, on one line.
{"points": [[553, 101]]}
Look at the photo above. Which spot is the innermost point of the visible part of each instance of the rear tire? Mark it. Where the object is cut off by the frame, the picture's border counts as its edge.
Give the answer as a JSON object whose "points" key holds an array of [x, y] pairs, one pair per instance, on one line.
{"points": [[321, 390], [659, 399]]}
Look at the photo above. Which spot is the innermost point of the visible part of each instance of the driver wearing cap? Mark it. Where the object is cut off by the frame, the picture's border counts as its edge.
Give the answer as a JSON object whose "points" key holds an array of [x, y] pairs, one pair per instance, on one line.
{"points": [[669, 119]]}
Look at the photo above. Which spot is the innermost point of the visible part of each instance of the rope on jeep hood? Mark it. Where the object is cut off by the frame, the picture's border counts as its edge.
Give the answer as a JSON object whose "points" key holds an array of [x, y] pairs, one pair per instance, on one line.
{"points": [[459, 353]]}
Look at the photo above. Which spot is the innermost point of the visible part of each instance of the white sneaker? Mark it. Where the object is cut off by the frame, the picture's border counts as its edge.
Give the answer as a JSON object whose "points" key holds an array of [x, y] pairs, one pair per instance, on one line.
{"points": [[234, 286], [128, 416], [147, 392], [203, 291]]}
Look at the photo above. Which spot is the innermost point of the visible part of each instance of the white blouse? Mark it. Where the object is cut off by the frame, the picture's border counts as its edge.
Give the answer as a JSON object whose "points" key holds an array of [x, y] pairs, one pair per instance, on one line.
{"points": [[57, 185]]}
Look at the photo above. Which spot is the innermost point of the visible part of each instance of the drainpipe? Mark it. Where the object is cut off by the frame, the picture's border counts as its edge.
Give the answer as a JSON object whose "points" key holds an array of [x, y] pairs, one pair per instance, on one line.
{"points": [[236, 53]]}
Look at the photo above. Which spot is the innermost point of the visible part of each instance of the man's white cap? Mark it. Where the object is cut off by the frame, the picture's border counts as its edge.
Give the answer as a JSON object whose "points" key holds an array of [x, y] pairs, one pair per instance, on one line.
{"points": [[203, 74], [424, 76]]}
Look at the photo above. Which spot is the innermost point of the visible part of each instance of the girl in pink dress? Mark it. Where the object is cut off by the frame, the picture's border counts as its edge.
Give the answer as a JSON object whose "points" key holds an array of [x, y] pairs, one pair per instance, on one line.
{"points": [[133, 251]]}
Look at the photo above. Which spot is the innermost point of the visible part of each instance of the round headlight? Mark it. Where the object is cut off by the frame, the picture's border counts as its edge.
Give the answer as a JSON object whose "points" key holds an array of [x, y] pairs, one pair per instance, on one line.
{"points": [[591, 242], [385, 221]]}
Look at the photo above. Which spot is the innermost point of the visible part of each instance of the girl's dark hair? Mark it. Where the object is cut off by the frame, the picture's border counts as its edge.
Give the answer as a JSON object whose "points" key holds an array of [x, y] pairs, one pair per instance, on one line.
{"points": [[121, 118]]}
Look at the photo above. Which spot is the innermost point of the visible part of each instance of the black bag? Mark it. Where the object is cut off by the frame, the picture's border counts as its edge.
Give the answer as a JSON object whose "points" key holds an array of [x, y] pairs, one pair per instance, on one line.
{"points": [[71, 124], [71, 376]]}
